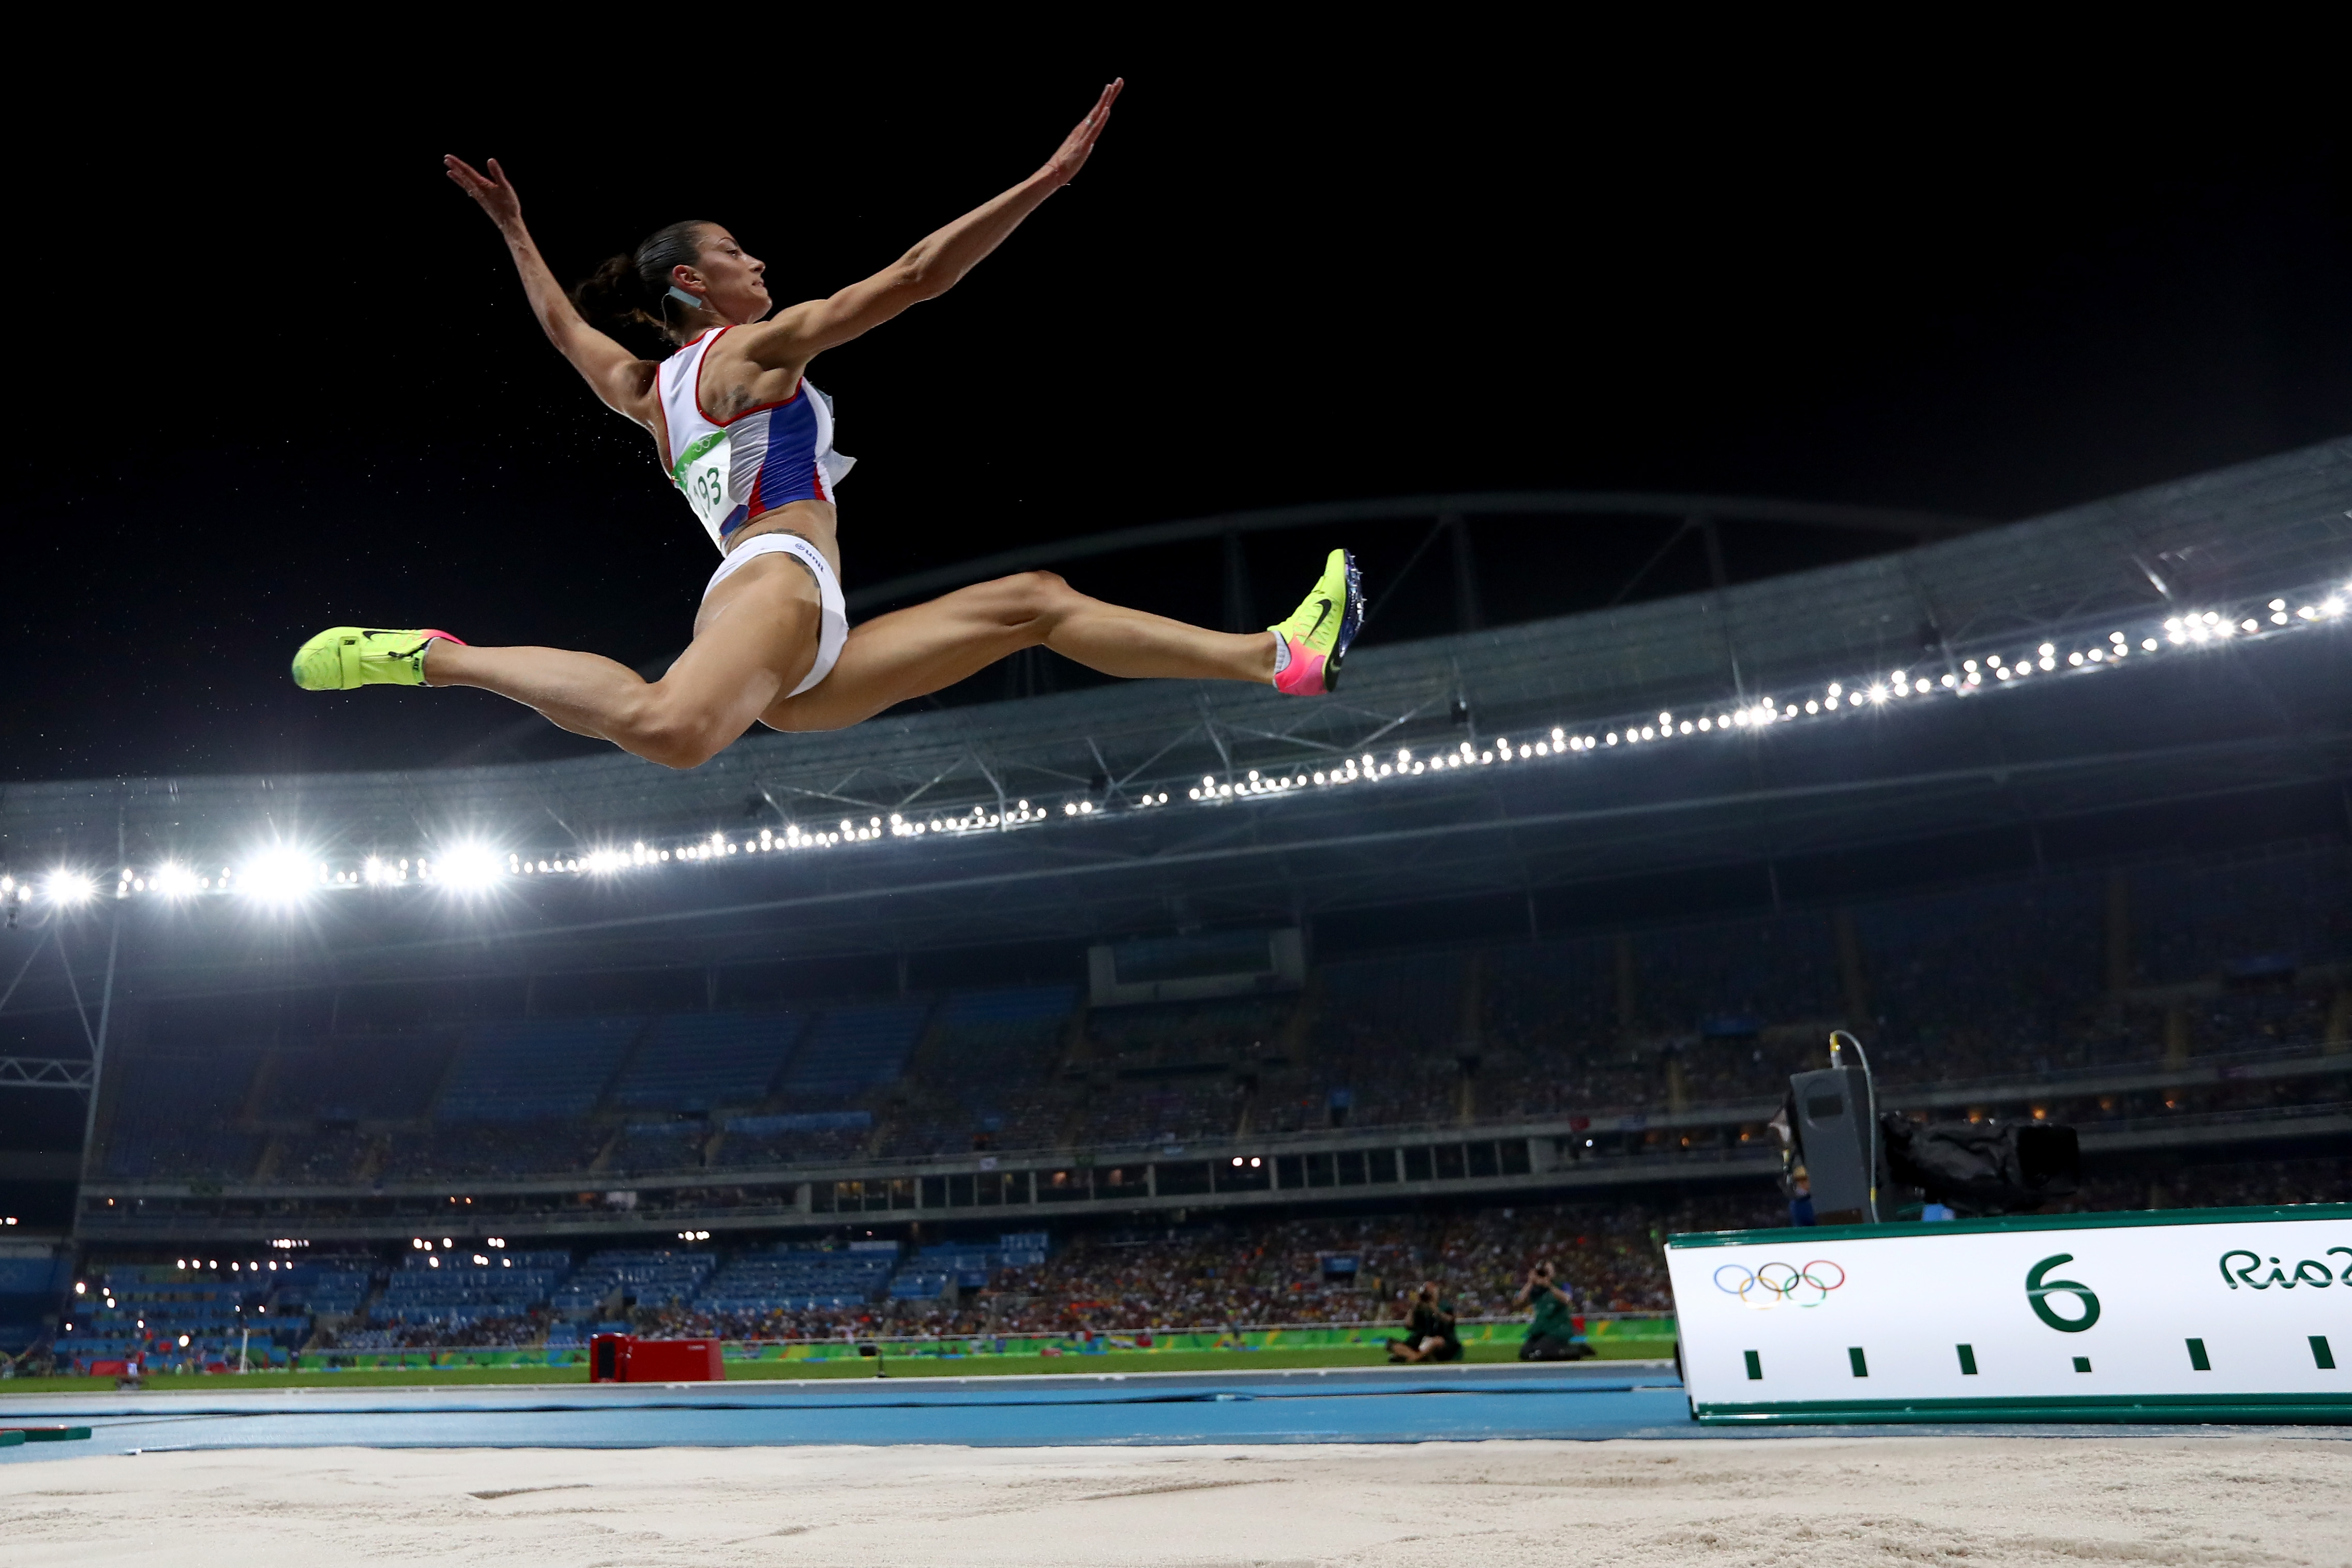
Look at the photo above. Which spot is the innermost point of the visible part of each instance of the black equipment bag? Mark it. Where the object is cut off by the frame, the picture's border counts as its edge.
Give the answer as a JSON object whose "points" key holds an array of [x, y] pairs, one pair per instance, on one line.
{"points": [[1982, 1168]]}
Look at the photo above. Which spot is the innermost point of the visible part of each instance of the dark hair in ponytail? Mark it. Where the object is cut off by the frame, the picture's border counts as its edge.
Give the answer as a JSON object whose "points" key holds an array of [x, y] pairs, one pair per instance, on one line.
{"points": [[630, 294]]}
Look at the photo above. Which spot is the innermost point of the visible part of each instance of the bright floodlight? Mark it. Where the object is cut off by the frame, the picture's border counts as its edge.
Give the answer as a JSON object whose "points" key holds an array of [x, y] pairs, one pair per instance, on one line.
{"points": [[70, 888], [468, 867], [174, 880], [278, 876]]}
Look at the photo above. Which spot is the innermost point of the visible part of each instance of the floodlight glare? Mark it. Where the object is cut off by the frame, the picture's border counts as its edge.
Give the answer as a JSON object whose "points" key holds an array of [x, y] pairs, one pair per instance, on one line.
{"points": [[174, 880], [278, 876], [70, 888], [469, 866]]}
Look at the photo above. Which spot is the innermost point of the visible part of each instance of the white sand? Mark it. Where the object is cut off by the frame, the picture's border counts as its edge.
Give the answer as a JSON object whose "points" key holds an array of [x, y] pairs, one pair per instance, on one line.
{"points": [[1817, 1502]]}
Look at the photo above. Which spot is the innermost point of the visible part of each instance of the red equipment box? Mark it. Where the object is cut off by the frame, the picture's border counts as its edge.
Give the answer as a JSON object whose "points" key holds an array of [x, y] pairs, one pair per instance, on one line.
{"points": [[625, 1358]]}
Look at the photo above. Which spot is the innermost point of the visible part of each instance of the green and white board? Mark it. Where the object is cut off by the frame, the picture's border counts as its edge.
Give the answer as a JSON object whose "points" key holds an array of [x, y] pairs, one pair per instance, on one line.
{"points": [[2236, 1315]]}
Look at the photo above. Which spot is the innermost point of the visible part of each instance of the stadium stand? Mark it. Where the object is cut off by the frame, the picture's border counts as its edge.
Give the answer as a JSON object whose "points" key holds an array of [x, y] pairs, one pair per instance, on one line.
{"points": [[791, 1136], [647, 1146], [31, 1281], [775, 1292], [651, 1277], [701, 1061], [463, 1288], [1222, 1273], [178, 1115], [171, 1319], [535, 1069], [987, 1074], [2133, 998], [850, 1051], [327, 1287], [357, 1077]]}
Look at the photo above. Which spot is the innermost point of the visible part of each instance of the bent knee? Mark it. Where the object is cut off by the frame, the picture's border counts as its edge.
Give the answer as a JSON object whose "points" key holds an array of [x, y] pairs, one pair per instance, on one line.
{"points": [[678, 738], [1029, 598]]}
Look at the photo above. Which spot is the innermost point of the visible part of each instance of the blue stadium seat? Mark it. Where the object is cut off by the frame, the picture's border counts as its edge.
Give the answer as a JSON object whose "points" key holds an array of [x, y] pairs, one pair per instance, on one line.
{"points": [[697, 1061], [852, 1049]]}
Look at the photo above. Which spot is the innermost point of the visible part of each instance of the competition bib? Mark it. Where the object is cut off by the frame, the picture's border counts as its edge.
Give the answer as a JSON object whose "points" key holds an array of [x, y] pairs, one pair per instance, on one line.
{"points": [[706, 474]]}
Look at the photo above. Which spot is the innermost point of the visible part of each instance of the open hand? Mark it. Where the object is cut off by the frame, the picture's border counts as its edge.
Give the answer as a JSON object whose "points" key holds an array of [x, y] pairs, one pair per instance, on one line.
{"points": [[492, 190], [1076, 148]]}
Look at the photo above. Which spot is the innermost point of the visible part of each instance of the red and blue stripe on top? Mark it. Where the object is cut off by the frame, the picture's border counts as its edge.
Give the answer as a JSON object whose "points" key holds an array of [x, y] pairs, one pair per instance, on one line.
{"points": [[765, 458]]}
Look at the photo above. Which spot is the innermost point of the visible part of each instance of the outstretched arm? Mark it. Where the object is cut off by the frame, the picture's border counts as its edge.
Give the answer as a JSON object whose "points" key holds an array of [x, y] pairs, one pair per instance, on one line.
{"points": [[623, 380], [797, 333]]}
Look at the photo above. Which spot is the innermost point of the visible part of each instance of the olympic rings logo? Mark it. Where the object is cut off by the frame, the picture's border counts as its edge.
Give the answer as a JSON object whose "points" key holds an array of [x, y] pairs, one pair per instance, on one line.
{"points": [[1770, 1285]]}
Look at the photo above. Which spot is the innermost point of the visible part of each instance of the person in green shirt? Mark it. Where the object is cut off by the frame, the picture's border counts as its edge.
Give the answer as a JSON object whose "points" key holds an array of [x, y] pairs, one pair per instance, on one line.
{"points": [[1430, 1332], [1552, 1333]]}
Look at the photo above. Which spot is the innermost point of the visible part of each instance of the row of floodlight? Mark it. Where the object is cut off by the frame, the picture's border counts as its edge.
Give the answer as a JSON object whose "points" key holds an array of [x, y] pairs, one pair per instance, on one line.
{"points": [[285, 874]]}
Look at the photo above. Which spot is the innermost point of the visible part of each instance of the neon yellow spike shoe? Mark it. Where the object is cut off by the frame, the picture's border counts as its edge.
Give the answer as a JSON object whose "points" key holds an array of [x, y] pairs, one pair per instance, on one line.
{"points": [[344, 659], [1316, 638]]}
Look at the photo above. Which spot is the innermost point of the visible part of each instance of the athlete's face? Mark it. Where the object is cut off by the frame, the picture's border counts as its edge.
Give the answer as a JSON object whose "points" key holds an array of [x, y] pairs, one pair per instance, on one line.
{"points": [[734, 281]]}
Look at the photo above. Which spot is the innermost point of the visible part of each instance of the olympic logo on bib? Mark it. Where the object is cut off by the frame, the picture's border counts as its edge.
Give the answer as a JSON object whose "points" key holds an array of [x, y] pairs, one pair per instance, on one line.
{"points": [[1769, 1285]]}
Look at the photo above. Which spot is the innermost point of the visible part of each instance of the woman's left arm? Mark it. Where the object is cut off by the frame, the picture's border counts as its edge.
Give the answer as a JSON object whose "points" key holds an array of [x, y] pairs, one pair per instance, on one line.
{"points": [[797, 333]]}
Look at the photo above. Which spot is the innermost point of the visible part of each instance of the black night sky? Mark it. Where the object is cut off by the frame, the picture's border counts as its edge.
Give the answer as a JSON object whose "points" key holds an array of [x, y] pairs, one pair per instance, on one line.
{"points": [[278, 373]]}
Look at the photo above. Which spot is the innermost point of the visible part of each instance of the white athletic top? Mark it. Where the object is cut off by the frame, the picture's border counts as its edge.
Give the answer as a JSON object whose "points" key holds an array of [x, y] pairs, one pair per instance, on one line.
{"points": [[756, 462]]}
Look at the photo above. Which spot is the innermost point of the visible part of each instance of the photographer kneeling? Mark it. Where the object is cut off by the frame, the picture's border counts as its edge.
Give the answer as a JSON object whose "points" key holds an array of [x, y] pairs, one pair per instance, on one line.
{"points": [[1551, 1334], [1429, 1332]]}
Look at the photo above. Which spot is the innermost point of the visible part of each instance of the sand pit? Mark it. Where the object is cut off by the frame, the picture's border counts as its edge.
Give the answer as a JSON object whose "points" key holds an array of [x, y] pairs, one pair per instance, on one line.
{"points": [[1819, 1503]]}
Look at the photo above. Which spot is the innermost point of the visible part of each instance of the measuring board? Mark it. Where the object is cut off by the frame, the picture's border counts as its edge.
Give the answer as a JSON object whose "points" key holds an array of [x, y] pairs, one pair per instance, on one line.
{"points": [[2238, 1315]]}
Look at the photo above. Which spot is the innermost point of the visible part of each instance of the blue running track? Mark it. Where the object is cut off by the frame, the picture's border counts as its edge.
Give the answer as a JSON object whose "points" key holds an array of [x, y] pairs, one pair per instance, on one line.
{"points": [[1375, 1407], [1577, 1401]]}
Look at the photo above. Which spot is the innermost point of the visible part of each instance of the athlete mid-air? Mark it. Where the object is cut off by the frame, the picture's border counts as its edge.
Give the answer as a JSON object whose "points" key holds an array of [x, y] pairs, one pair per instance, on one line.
{"points": [[748, 443]]}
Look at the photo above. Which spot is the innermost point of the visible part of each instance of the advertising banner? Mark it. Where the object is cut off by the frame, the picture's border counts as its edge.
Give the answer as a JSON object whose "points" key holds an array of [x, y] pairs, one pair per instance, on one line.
{"points": [[2190, 1315]]}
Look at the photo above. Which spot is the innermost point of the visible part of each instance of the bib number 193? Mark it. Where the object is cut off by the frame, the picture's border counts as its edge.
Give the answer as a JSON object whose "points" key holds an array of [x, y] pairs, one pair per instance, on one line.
{"points": [[706, 476], [711, 490]]}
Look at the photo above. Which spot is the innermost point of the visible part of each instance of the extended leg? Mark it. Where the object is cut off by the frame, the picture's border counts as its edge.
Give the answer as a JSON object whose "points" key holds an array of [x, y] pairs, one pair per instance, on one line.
{"points": [[910, 652], [756, 636]]}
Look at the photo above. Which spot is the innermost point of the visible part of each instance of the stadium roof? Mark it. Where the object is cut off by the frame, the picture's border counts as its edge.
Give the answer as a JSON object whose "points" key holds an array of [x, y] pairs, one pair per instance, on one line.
{"points": [[2195, 717]]}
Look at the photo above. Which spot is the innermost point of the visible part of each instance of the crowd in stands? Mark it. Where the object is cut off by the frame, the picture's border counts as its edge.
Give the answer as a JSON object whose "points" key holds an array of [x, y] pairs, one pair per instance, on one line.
{"points": [[1104, 1279], [986, 1077], [2022, 979], [1353, 1270], [486, 1334]]}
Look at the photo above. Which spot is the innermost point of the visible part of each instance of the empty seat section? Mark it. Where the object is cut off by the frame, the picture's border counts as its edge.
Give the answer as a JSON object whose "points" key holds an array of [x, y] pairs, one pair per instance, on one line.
{"points": [[325, 1286], [534, 1070], [175, 1115], [652, 1278], [357, 1077], [853, 1050], [458, 1289], [791, 1278], [170, 1318], [695, 1061]]}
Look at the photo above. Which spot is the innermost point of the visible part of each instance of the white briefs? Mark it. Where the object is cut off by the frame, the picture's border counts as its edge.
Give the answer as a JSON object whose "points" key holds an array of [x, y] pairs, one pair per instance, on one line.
{"points": [[834, 625]]}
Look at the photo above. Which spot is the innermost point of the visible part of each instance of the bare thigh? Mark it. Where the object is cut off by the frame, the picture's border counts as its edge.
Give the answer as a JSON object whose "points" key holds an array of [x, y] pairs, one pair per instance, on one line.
{"points": [[755, 637], [919, 649]]}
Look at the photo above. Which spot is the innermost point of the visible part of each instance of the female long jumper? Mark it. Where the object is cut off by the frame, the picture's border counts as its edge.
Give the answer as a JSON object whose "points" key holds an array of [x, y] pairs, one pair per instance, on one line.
{"points": [[748, 443]]}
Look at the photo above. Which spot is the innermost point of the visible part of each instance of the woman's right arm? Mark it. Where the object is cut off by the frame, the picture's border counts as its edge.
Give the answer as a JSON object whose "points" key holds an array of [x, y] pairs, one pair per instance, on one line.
{"points": [[624, 381]]}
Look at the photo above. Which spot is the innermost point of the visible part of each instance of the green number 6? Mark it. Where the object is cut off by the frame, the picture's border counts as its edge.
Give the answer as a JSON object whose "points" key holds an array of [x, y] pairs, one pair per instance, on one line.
{"points": [[2038, 1291]]}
